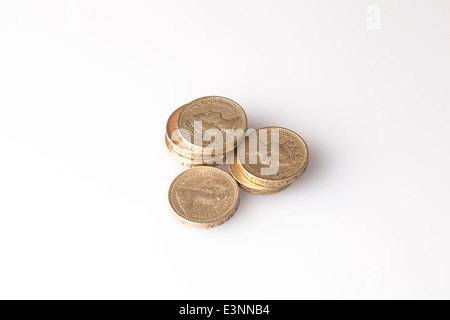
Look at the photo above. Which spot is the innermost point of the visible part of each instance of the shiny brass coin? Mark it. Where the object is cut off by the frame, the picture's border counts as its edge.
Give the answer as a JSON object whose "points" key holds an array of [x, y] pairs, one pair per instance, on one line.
{"points": [[247, 185], [204, 197], [217, 115], [292, 158], [193, 162]]}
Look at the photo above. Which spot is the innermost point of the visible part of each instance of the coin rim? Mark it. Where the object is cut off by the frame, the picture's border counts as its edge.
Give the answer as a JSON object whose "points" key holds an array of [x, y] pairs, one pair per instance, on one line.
{"points": [[185, 162], [185, 152], [250, 186], [190, 162]]}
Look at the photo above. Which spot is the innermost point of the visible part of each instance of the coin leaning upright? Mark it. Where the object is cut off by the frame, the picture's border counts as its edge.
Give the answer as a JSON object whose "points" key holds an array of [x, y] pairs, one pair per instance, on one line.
{"points": [[204, 197]]}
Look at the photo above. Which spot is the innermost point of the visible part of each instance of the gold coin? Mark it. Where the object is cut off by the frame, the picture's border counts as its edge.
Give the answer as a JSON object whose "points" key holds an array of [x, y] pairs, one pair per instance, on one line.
{"points": [[247, 185], [292, 157], [204, 197], [212, 115]]}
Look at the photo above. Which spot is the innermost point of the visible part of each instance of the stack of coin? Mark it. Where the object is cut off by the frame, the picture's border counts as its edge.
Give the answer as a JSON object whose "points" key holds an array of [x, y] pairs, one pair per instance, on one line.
{"points": [[204, 197], [269, 160], [203, 131]]}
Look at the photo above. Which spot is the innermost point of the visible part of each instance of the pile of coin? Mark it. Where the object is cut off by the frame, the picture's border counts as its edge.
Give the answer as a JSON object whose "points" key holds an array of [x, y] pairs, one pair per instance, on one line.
{"points": [[206, 118], [262, 162]]}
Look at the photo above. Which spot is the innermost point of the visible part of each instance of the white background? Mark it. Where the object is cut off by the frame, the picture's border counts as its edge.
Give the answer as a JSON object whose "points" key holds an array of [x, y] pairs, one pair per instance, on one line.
{"points": [[86, 88]]}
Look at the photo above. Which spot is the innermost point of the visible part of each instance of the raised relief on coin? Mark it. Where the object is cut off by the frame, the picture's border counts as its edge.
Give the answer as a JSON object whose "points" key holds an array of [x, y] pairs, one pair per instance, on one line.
{"points": [[287, 155], [210, 120], [204, 196], [222, 115]]}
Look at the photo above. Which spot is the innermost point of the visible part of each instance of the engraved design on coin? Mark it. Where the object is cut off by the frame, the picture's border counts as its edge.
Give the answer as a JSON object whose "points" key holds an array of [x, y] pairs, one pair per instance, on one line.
{"points": [[209, 120], [212, 113], [202, 197], [286, 157], [292, 159]]}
